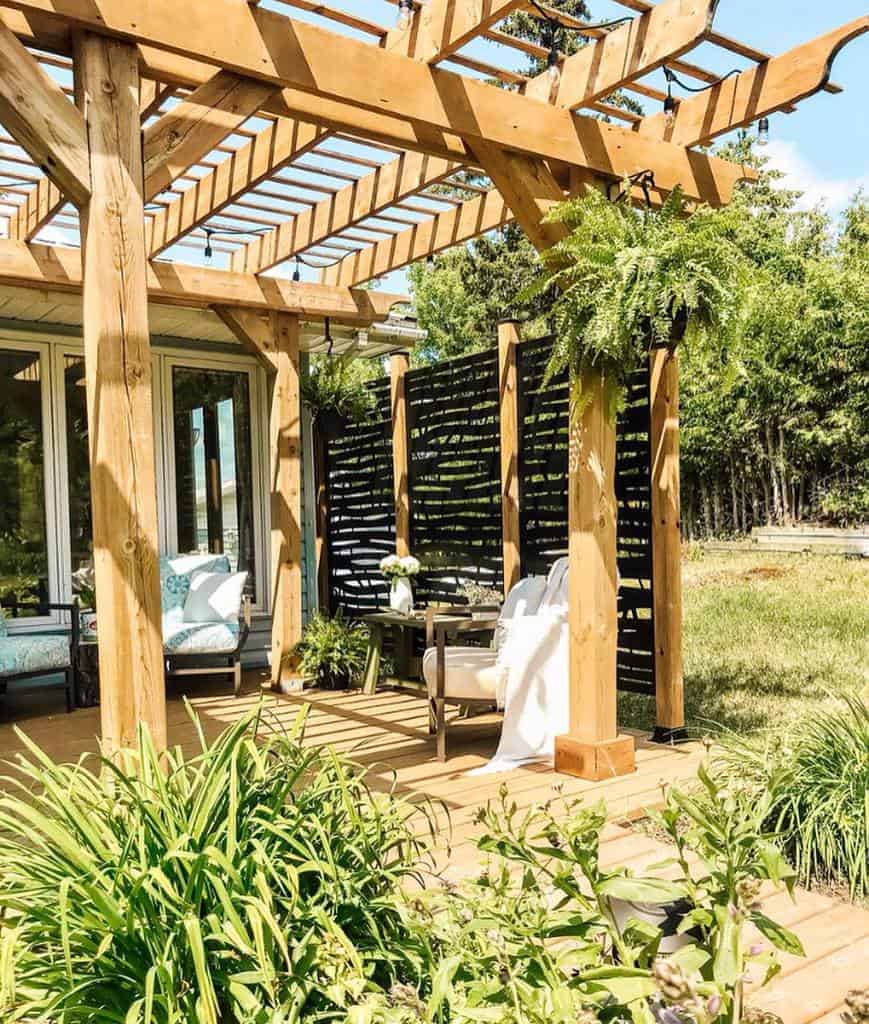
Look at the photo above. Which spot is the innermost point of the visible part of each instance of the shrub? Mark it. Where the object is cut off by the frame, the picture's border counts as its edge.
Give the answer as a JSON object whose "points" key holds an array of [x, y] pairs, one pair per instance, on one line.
{"points": [[332, 650], [539, 938], [817, 776], [262, 883], [253, 882]]}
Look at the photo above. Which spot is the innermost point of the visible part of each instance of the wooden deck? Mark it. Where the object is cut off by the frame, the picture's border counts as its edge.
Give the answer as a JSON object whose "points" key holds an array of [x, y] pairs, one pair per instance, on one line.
{"points": [[388, 733]]}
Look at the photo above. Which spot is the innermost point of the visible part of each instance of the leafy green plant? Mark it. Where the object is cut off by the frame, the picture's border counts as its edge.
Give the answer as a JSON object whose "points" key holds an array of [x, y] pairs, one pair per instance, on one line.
{"points": [[332, 650], [253, 882], [541, 936], [628, 280], [815, 779], [336, 385]]}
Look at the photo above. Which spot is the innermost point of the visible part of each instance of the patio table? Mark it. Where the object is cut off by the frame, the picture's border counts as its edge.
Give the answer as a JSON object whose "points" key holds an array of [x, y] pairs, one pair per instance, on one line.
{"points": [[408, 668]]}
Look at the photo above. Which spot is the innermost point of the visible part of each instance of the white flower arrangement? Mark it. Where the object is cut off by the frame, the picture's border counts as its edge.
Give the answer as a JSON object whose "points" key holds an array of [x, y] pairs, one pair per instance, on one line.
{"points": [[395, 567]]}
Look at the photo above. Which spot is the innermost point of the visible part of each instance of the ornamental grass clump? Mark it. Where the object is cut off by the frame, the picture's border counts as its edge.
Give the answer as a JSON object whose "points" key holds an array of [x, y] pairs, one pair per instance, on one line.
{"points": [[627, 280], [814, 777], [253, 882]]}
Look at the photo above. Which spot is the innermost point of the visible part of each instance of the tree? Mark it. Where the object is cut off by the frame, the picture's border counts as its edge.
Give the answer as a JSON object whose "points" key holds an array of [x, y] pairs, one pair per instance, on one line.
{"points": [[460, 297]]}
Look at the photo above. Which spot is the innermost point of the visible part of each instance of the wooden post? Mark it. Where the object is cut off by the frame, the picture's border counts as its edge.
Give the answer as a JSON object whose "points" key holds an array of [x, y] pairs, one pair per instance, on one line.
{"points": [[398, 366], [286, 494], [666, 545], [120, 411], [321, 484], [508, 338], [593, 749]]}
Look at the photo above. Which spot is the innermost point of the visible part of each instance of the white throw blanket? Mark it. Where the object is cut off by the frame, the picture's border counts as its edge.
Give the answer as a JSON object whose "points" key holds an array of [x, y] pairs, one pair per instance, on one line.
{"points": [[534, 665]]}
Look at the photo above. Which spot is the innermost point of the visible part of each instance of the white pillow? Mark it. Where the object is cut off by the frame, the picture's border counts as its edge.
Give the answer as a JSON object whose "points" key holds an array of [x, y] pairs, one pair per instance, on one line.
{"points": [[214, 596]]}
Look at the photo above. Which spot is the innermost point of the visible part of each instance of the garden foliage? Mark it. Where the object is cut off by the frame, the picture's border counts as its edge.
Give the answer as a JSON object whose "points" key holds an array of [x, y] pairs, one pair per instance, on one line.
{"points": [[262, 882]]}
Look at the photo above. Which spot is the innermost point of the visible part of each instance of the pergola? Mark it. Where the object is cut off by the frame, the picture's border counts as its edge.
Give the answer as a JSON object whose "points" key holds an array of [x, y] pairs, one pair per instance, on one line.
{"points": [[206, 119]]}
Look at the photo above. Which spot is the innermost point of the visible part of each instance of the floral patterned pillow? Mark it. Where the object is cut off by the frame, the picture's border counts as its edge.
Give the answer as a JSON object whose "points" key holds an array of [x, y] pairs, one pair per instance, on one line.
{"points": [[3, 630]]}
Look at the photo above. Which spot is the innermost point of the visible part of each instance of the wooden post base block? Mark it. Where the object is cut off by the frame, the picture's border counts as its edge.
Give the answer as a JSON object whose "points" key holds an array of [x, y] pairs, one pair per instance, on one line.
{"points": [[594, 761]]}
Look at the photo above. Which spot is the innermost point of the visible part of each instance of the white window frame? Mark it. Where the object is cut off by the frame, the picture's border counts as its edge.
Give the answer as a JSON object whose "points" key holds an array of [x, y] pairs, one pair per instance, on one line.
{"points": [[169, 360], [51, 347], [30, 341]]}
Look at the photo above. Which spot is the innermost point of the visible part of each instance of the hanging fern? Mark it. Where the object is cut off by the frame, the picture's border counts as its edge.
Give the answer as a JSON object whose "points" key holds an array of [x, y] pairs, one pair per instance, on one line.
{"points": [[629, 280]]}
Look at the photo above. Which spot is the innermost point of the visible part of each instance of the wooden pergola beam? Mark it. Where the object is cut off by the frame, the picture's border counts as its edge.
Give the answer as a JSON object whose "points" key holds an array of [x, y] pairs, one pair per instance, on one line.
{"points": [[757, 92], [664, 32], [372, 194], [42, 203], [255, 41], [192, 129], [443, 26], [443, 230], [275, 146], [40, 118], [58, 268]]}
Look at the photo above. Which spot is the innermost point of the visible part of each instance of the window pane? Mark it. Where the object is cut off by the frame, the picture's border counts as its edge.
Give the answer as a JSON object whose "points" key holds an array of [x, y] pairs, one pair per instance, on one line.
{"points": [[213, 476], [78, 462], [23, 540]]}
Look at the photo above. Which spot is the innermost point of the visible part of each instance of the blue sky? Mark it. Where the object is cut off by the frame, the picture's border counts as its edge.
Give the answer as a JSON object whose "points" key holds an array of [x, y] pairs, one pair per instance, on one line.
{"points": [[823, 148]]}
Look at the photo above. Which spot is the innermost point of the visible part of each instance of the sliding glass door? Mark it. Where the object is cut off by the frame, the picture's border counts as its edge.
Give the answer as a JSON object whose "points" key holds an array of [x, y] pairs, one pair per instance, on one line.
{"points": [[26, 544], [212, 465]]}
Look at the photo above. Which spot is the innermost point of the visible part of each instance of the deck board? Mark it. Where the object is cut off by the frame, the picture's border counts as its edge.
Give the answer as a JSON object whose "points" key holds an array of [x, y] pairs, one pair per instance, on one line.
{"points": [[388, 734]]}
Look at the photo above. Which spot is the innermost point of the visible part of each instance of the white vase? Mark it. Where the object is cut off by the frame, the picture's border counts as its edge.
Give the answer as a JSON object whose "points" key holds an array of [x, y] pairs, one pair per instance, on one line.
{"points": [[401, 595]]}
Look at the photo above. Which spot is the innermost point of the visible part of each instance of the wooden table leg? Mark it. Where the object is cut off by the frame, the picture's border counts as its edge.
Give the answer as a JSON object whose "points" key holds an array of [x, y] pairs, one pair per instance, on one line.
{"points": [[372, 660], [403, 652]]}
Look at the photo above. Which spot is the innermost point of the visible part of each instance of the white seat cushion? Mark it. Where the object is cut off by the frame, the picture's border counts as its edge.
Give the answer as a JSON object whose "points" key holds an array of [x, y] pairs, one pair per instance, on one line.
{"points": [[470, 672]]}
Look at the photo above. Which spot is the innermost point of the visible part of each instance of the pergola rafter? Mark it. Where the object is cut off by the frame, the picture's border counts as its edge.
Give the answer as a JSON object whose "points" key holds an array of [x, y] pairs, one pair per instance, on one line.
{"points": [[270, 138]]}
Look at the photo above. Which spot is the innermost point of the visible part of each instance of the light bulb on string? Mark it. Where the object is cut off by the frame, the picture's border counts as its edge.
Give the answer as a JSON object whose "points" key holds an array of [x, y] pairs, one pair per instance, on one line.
{"points": [[405, 13], [553, 66], [763, 131], [297, 273]]}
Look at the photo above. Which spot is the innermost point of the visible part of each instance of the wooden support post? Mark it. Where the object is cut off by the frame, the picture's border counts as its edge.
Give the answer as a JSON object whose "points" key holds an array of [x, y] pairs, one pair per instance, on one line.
{"points": [[286, 494], [398, 365], [120, 410], [321, 484], [508, 339], [666, 546], [593, 749]]}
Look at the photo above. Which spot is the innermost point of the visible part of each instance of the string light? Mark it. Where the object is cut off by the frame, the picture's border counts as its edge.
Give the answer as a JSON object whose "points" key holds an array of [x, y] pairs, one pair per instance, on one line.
{"points": [[297, 273], [763, 131], [209, 252], [670, 103], [556, 26], [327, 336], [405, 13]]}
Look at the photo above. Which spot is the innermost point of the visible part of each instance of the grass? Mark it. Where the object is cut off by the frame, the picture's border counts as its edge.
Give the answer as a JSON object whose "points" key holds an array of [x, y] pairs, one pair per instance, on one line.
{"points": [[767, 637]]}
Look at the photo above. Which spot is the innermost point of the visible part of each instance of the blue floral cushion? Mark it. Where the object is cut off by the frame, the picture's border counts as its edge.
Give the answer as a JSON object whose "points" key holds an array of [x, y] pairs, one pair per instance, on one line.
{"points": [[199, 637], [33, 653], [3, 628]]}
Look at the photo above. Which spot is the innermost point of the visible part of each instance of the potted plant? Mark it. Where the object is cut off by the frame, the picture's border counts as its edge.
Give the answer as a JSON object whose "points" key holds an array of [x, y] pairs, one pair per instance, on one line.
{"points": [[627, 281], [332, 651], [399, 571], [84, 588], [335, 391]]}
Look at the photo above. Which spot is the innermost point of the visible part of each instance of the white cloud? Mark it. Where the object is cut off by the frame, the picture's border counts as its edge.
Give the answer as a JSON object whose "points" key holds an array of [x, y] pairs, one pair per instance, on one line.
{"points": [[799, 174]]}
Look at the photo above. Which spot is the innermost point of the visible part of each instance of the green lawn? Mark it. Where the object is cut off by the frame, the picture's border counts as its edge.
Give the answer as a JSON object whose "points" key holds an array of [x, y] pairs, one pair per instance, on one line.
{"points": [[767, 637]]}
